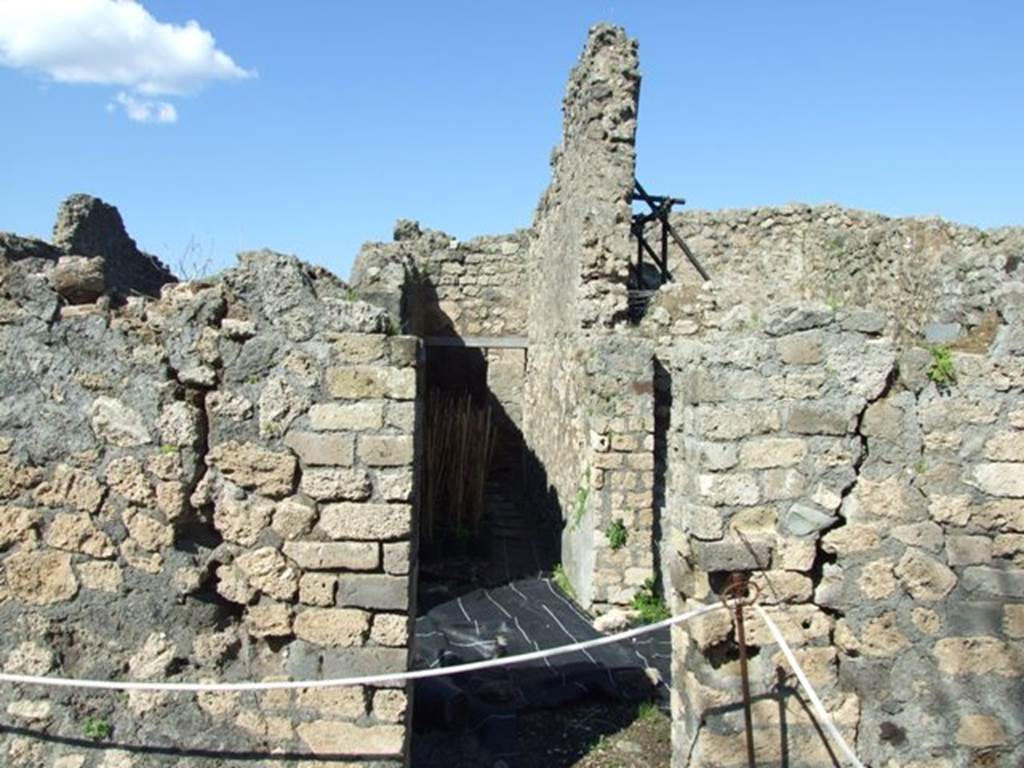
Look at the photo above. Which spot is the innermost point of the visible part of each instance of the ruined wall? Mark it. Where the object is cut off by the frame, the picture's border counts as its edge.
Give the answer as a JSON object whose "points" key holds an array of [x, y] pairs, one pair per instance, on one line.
{"points": [[879, 513], [440, 286], [922, 273], [215, 486], [579, 258]]}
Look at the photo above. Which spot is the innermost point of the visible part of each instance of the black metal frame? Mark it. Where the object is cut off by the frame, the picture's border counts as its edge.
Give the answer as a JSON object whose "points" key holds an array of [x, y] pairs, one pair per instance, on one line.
{"points": [[660, 208]]}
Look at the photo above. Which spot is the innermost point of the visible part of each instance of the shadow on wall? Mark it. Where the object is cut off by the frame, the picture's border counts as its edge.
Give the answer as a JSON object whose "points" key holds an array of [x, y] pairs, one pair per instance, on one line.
{"points": [[515, 530]]}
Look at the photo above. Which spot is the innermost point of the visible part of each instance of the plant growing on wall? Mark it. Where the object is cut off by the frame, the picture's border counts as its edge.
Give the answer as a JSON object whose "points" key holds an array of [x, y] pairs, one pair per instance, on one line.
{"points": [[580, 502], [97, 729], [649, 605], [941, 370], [617, 534]]}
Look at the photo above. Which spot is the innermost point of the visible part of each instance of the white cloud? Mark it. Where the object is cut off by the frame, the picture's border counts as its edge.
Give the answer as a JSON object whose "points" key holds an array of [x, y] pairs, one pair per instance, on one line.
{"points": [[113, 42], [146, 110]]}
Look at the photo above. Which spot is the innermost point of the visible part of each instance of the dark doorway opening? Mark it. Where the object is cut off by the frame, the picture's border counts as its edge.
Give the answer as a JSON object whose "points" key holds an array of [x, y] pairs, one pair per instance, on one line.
{"points": [[476, 528]]}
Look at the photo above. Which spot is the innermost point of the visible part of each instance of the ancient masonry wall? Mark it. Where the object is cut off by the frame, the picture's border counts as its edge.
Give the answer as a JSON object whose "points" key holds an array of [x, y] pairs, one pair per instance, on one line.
{"points": [[584, 438], [215, 486], [439, 286], [879, 513], [927, 275]]}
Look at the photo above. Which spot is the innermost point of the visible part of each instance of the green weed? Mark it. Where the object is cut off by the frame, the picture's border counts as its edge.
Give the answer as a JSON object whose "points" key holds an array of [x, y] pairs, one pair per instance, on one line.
{"points": [[941, 370], [649, 605], [97, 729], [617, 534], [561, 579]]}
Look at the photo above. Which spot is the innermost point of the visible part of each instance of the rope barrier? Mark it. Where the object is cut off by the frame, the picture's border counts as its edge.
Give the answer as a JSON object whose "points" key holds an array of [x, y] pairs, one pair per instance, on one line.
{"points": [[819, 708], [421, 674], [396, 677]]}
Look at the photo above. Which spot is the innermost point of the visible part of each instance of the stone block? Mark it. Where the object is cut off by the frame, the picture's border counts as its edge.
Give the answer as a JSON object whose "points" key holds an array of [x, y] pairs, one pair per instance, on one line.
{"points": [[104, 577], [403, 351], [394, 485], [269, 619], [732, 555], [401, 416], [781, 320], [732, 489], [117, 423], [783, 484], [1013, 620], [70, 487], [76, 532], [366, 522], [353, 417], [1000, 479], [389, 706], [40, 577], [359, 347], [293, 518], [267, 570], [252, 466], [820, 418], [768, 452], [330, 556], [332, 627], [801, 348], [241, 520], [926, 535], [317, 449], [396, 558], [995, 581], [1005, 446], [347, 702], [376, 592], [127, 478], [924, 577], [361, 382], [386, 450], [330, 484], [979, 731], [718, 456], [979, 655], [806, 520], [317, 589], [968, 550], [339, 738], [368, 660], [390, 629]]}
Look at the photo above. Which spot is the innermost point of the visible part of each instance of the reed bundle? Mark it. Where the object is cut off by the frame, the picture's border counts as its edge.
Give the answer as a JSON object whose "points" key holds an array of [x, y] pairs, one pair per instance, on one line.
{"points": [[460, 443]]}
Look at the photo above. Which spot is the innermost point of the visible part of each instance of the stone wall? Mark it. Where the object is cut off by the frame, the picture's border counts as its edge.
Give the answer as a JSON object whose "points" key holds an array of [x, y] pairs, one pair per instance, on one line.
{"points": [[442, 287], [215, 486], [923, 273], [578, 264], [877, 511]]}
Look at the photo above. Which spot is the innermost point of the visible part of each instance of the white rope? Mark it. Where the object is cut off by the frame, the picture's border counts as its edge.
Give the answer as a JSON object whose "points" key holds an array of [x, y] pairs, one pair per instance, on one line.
{"points": [[396, 677], [823, 715]]}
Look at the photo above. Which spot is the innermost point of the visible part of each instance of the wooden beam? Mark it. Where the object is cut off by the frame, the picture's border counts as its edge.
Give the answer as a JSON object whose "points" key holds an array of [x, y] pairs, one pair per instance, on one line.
{"points": [[478, 342]]}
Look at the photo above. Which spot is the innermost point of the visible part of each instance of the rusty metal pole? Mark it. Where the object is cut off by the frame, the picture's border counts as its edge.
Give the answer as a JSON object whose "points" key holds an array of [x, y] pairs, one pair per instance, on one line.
{"points": [[738, 590]]}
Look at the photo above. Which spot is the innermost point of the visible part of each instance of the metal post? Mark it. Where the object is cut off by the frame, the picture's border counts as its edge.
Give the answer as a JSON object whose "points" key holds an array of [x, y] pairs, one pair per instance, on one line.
{"points": [[738, 591]]}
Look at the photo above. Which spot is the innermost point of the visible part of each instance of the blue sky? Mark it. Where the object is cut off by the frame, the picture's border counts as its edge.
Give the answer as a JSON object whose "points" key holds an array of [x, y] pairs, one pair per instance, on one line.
{"points": [[311, 126]]}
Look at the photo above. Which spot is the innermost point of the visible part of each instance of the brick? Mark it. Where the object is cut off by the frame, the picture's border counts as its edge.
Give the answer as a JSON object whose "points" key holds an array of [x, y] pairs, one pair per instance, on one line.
{"points": [[765, 453], [329, 484], [346, 416], [329, 556], [386, 450], [316, 449], [338, 738], [361, 382], [332, 627], [382, 593], [366, 522]]}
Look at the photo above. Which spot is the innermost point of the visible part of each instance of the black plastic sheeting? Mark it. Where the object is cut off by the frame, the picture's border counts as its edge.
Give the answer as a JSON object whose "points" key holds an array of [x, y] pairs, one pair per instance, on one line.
{"points": [[520, 617]]}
